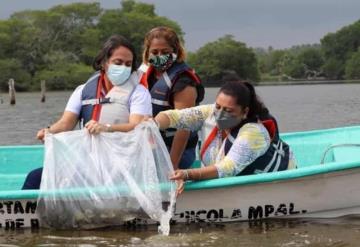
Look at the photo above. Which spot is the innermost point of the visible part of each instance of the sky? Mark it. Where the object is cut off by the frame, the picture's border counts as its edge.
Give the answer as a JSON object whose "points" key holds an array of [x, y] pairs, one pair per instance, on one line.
{"points": [[258, 23]]}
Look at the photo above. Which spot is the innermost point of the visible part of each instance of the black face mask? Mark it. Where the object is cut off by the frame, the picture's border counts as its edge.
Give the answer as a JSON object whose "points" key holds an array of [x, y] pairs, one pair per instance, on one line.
{"points": [[162, 62], [225, 120]]}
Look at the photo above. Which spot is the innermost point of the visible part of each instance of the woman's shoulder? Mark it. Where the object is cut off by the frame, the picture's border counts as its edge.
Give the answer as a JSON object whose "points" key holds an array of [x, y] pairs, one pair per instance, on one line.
{"points": [[80, 87], [202, 111], [78, 90], [208, 109], [254, 130], [140, 93], [141, 88]]}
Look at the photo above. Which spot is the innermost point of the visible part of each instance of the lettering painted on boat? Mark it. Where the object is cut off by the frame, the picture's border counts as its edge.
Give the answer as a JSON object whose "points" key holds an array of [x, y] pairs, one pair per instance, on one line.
{"points": [[252, 213], [18, 223], [18, 207], [266, 211], [18, 214], [212, 215]]}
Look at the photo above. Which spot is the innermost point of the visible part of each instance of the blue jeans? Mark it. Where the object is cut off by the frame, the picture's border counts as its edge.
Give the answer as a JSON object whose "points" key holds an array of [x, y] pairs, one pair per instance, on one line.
{"points": [[187, 158], [33, 180]]}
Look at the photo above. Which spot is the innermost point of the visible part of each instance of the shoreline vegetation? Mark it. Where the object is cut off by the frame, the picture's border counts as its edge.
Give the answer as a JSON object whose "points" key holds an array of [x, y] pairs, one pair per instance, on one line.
{"points": [[295, 82], [257, 84], [58, 46], [309, 82]]}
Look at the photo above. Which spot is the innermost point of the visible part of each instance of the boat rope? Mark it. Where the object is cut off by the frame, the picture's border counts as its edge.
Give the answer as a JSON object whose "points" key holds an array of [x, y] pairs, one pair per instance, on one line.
{"points": [[336, 146]]}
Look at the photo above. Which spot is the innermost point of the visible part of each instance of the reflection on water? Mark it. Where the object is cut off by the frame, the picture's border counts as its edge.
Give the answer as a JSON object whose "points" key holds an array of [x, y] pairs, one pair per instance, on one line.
{"points": [[297, 108], [281, 233]]}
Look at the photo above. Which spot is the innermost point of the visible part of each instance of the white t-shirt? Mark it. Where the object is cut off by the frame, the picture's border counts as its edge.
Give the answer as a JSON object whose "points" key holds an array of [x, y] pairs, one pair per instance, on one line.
{"points": [[139, 101]]}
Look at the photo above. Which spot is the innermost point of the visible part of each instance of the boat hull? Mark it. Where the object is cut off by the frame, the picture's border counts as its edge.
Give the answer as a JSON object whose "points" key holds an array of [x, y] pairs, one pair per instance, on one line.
{"points": [[324, 195]]}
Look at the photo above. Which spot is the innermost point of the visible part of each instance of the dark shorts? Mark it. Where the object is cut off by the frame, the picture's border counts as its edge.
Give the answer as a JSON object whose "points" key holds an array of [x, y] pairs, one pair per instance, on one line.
{"points": [[33, 180]]}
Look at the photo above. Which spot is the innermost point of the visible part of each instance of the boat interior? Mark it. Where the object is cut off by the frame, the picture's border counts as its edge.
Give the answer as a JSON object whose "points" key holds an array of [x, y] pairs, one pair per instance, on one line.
{"points": [[315, 152]]}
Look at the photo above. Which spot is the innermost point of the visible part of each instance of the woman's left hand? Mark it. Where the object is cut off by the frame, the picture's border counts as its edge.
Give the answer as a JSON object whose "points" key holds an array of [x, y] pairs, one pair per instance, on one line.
{"points": [[94, 127]]}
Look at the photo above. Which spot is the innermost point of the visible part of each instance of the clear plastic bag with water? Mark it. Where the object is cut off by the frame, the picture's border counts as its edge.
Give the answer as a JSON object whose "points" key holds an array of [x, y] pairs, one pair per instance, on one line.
{"points": [[99, 180]]}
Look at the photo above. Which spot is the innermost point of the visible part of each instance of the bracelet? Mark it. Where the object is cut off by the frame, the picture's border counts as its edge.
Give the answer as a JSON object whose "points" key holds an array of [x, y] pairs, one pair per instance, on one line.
{"points": [[108, 128], [186, 174]]}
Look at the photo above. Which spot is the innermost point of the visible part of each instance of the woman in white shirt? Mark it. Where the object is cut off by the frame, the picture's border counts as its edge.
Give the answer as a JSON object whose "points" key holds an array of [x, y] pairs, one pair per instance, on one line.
{"points": [[111, 100]]}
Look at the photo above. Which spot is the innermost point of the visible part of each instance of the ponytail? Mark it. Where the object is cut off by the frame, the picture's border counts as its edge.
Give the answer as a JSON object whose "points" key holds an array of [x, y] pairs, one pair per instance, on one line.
{"points": [[256, 106], [245, 96]]}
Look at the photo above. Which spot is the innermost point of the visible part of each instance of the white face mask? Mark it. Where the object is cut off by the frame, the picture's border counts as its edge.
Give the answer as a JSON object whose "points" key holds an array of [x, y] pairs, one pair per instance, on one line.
{"points": [[118, 74]]}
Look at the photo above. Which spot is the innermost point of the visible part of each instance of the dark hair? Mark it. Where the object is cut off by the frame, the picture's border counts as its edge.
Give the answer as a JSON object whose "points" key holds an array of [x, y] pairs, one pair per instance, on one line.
{"points": [[114, 42], [245, 96], [171, 38]]}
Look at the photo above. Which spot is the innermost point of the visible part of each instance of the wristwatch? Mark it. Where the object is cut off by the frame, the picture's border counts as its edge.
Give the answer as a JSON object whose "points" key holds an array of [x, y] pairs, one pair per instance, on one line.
{"points": [[108, 128]]}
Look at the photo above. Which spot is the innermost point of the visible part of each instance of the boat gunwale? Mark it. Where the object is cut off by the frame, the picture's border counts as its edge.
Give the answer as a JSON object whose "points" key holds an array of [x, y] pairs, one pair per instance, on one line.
{"points": [[219, 183], [310, 170]]}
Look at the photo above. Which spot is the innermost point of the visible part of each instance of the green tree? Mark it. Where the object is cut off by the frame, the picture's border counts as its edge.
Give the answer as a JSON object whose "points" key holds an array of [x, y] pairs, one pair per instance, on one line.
{"points": [[215, 58], [306, 64], [11, 68], [35, 34], [51, 44], [352, 67], [5, 39], [333, 68], [338, 48], [65, 77], [133, 21]]}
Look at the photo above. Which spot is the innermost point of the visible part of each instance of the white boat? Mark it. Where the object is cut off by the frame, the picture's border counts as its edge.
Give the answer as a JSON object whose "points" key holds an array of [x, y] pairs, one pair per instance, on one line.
{"points": [[326, 184]]}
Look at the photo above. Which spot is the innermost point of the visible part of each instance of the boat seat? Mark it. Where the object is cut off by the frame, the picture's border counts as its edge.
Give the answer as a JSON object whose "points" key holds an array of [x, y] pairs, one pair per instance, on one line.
{"points": [[302, 149], [11, 181], [344, 152], [348, 153]]}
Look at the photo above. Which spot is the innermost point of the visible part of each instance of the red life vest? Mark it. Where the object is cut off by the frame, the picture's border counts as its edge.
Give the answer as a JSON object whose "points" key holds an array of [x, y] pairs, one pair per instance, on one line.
{"points": [[276, 158]]}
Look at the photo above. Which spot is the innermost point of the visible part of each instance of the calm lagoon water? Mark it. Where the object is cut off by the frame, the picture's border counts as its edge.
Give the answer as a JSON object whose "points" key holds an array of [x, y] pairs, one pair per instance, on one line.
{"points": [[297, 108]]}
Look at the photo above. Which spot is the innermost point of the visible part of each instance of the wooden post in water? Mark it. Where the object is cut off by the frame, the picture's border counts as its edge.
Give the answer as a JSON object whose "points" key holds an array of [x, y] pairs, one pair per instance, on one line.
{"points": [[1, 99], [43, 90], [12, 91]]}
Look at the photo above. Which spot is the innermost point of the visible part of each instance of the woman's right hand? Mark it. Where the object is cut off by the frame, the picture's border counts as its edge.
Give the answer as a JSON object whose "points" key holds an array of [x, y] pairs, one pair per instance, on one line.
{"points": [[41, 134], [179, 176]]}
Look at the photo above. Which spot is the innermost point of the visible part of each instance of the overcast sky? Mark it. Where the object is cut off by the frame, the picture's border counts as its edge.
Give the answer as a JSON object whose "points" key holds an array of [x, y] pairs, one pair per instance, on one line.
{"points": [[258, 23]]}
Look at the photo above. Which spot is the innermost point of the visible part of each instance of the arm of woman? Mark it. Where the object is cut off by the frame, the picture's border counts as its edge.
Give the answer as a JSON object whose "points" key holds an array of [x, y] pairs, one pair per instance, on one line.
{"points": [[140, 108], [95, 127], [70, 116], [65, 123], [190, 118], [252, 141], [134, 119], [184, 99], [180, 176]]}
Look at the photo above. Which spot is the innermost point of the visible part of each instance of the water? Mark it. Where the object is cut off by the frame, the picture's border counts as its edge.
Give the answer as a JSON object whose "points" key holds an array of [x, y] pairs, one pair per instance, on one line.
{"points": [[297, 108], [19, 123]]}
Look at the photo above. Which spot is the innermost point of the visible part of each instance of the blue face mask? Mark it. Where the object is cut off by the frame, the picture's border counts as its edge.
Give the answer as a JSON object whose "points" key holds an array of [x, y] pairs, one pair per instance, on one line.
{"points": [[118, 74]]}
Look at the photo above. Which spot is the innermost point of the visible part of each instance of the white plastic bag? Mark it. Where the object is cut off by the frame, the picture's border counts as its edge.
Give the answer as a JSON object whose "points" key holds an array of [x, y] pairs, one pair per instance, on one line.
{"points": [[98, 180]]}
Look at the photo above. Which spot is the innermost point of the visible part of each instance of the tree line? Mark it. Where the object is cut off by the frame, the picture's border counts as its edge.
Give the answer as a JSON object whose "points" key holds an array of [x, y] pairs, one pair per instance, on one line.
{"points": [[59, 44], [337, 57]]}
